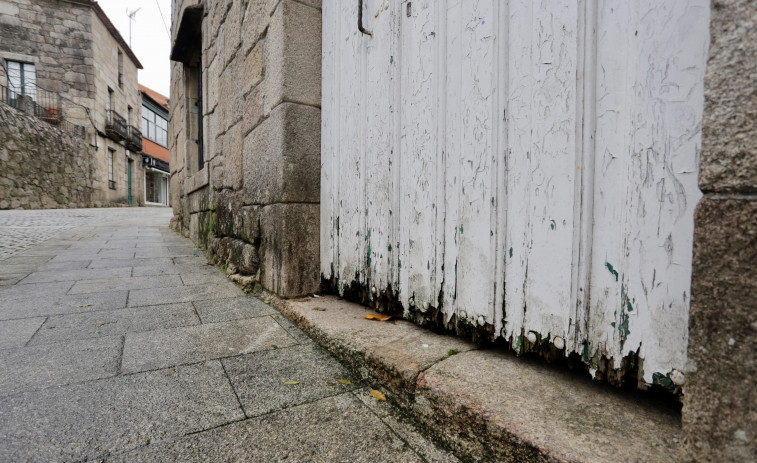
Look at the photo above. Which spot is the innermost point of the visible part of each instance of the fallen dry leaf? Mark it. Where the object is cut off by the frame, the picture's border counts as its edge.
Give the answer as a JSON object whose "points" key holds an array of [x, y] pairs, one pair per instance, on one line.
{"points": [[289, 383], [344, 381], [377, 316], [170, 372], [378, 395], [100, 322]]}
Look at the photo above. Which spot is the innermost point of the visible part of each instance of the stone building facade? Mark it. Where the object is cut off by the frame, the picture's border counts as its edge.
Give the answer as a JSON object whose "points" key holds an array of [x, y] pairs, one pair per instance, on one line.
{"points": [[245, 136], [78, 57]]}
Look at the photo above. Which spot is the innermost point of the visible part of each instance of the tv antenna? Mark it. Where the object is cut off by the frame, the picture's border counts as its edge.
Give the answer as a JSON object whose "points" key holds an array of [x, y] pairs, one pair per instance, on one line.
{"points": [[131, 15]]}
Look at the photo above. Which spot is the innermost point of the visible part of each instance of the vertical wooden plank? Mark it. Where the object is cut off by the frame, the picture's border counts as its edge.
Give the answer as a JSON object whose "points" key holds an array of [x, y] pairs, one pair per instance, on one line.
{"points": [[329, 140], [418, 162], [518, 120], [478, 105], [351, 173], [667, 139], [452, 154], [381, 77], [553, 161], [648, 131]]}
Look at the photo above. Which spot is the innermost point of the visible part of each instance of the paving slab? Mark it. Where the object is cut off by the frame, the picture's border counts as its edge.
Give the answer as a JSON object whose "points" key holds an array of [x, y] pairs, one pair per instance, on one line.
{"points": [[91, 420], [259, 378], [396, 351], [51, 305], [122, 284], [16, 333], [398, 422], [235, 308], [203, 278], [9, 294], [76, 274], [155, 296], [147, 262], [164, 348], [9, 280], [301, 336], [170, 268], [59, 328], [338, 429], [38, 367], [69, 265]]}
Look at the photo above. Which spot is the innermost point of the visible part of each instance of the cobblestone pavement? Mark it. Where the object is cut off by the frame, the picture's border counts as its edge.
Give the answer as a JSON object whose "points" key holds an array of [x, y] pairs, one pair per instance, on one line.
{"points": [[119, 343], [20, 229]]}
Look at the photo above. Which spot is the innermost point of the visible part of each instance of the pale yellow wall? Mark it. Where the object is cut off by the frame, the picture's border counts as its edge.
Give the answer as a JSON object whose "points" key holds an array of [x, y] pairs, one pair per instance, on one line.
{"points": [[105, 53]]}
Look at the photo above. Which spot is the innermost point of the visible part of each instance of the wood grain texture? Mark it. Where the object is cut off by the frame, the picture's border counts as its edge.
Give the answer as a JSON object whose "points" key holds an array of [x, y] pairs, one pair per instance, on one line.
{"points": [[522, 166]]}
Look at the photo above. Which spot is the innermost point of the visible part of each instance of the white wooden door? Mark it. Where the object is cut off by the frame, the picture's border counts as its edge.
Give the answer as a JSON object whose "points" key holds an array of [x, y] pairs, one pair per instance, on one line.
{"points": [[525, 167]]}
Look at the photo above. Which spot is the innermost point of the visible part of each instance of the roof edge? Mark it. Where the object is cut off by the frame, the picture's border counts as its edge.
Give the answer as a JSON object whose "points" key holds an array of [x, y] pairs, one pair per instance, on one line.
{"points": [[111, 28]]}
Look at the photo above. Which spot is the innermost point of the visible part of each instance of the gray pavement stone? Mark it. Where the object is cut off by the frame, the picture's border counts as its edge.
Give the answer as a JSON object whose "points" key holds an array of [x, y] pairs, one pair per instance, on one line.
{"points": [[38, 367], [33, 290], [259, 378], [16, 333], [71, 265], [393, 418], [292, 329], [76, 274], [155, 296], [337, 429], [203, 278], [9, 280], [148, 262], [175, 346], [60, 328], [173, 269], [66, 388], [51, 305], [122, 284], [222, 310], [94, 419]]}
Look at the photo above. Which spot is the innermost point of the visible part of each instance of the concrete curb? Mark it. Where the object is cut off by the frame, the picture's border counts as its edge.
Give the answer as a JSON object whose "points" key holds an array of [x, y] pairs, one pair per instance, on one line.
{"points": [[487, 405]]}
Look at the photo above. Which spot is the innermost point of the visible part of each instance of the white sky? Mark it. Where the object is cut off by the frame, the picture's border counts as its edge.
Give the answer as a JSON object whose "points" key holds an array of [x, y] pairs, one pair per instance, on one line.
{"points": [[149, 39]]}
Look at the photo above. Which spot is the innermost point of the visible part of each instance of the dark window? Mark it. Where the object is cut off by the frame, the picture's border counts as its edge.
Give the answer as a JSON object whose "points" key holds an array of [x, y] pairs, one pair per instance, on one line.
{"points": [[111, 159], [120, 69], [22, 78]]}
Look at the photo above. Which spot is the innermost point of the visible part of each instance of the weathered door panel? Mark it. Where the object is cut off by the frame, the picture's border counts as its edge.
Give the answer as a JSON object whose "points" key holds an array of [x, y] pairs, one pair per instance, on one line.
{"points": [[526, 167]]}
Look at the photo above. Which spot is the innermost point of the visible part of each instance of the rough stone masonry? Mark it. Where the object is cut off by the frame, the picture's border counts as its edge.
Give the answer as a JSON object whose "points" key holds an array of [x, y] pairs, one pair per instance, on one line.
{"points": [[42, 167], [245, 144]]}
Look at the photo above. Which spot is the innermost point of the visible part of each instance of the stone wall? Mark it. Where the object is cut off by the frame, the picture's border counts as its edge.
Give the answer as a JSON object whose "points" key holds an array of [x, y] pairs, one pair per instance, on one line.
{"points": [[720, 396], [57, 38], [41, 167], [255, 204]]}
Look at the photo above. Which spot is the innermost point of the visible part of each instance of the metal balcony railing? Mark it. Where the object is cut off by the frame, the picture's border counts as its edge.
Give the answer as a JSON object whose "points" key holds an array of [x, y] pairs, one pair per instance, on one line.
{"points": [[41, 103], [115, 126], [134, 142]]}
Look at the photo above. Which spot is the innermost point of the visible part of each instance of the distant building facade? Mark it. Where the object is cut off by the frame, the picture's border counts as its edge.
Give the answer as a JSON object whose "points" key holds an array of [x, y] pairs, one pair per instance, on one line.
{"points": [[70, 59], [155, 154]]}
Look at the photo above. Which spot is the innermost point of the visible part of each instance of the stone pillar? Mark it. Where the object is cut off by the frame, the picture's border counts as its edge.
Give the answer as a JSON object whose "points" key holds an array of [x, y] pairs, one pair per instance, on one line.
{"points": [[25, 104], [256, 202], [720, 396]]}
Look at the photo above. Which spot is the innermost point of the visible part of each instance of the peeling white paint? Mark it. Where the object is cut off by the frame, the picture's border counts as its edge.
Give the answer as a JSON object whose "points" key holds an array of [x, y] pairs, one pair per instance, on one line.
{"points": [[530, 166]]}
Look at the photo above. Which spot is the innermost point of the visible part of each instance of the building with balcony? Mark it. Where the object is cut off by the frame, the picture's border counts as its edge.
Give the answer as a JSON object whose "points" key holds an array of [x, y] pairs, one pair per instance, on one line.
{"points": [[70, 53], [154, 146]]}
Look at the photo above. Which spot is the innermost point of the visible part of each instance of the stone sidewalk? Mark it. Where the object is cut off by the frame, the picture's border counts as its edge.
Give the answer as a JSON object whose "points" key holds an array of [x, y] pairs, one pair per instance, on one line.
{"points": [[119, 343]]}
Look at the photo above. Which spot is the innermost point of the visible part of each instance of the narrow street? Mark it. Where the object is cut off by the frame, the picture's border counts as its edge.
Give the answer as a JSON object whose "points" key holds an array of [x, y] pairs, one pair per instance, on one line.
{"points": [[119, 343]]}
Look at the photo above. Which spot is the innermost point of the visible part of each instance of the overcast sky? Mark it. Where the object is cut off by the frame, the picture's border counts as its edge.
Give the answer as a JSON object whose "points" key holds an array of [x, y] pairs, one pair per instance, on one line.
{"points": [[149, 39]]}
